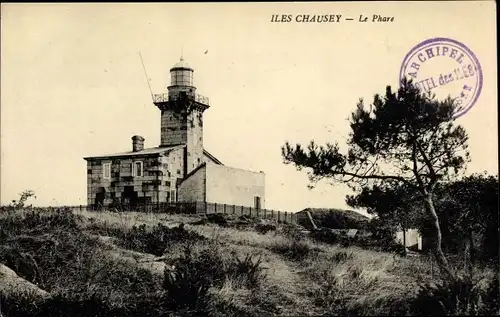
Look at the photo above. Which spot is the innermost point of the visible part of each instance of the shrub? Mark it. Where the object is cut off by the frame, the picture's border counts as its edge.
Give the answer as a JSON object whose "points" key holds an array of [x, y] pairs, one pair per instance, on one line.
{"points": [[57, 305], [38, 220], [248, 270], [196, 271], [292, 231], [217, 218], [294, 249], [331, 237], [264, 228], [62, 218], [341, 256], [188, 284], [156, 240], [327, 236], [458, 297]]}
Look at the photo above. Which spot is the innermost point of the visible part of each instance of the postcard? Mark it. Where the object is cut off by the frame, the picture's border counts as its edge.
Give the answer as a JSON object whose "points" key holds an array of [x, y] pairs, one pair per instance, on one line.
{"points": [[260, 159]]}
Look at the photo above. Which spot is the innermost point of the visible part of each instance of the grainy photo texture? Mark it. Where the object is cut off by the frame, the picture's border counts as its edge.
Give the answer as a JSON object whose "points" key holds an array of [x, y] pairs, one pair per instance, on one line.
{"points": [[249, 159]]}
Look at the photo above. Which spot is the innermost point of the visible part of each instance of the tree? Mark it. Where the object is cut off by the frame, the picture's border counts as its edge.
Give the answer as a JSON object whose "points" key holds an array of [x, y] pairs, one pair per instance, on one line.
{"points": [[394, 208], [394, 205], [469, 207], [405, 138], [25, 195]]}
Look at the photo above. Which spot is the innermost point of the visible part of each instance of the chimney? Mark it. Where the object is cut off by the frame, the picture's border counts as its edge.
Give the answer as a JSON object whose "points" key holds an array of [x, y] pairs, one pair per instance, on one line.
{"points": [[137, 143]]}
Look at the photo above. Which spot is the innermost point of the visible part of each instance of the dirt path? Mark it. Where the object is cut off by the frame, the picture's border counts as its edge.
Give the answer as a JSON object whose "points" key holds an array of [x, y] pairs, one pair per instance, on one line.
{"points": [[283, 288]]}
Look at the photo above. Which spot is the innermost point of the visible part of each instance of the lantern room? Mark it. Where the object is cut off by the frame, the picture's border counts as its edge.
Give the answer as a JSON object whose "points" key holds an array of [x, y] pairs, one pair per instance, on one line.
{"points": [[181, 74]]}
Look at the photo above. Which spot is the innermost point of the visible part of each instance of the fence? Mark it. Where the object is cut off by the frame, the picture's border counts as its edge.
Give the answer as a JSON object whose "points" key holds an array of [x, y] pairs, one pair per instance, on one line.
{"points": [[200, 208]]}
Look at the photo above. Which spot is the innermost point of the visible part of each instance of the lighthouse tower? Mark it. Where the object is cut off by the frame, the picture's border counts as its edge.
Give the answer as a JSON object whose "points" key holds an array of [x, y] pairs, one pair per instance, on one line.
{"points": [[182, 115]]}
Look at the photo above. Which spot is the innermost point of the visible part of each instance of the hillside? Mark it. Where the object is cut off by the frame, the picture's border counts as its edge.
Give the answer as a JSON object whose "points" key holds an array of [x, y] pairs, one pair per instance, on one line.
{"points": [[334, 218], [137, 264]]}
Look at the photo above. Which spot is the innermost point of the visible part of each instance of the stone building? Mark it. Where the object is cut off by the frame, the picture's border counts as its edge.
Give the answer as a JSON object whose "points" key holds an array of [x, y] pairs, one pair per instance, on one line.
{"points": [[179, 169]]}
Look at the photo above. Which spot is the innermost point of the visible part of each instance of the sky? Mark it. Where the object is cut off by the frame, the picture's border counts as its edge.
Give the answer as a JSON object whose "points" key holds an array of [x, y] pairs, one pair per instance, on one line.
{"points": [[72, 84]]}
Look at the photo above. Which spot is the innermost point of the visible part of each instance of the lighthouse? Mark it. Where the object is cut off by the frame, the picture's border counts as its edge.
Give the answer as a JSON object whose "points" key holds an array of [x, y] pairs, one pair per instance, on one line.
{"points": [[182, 115]]}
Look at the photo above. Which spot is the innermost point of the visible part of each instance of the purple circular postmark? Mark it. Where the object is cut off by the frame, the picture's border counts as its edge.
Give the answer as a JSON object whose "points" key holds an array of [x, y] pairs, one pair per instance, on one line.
{"points": [[445, 67]]}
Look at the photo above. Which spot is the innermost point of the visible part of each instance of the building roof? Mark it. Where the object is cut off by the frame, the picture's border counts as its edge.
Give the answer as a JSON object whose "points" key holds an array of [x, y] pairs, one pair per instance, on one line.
{"points": [[193, 172], [213, 158], [150, 151], [182, 64]]}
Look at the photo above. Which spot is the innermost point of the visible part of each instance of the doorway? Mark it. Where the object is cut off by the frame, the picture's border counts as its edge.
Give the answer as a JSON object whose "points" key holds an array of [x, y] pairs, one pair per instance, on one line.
{"points": [[129, 197], [100, 196]]}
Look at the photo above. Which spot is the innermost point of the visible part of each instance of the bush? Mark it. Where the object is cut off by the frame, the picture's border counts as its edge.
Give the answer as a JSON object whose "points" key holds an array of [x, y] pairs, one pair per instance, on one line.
{"points": [[264, 228], [58, 305], [292, 231], [84, 305], [156, 240], [326, 236], [217, 218], [38, 221], [46, 246], [249, 271], [331, 237], [458, 297], [341, 256], [294, 249], [188, 284]]}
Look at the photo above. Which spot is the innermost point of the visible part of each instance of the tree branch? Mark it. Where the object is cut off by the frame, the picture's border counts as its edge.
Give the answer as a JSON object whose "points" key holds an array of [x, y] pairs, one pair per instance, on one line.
{"points": [[380, 177]]}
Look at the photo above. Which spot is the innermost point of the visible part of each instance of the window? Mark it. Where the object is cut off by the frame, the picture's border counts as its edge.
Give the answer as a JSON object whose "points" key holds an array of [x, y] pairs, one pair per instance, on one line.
{"points": [[106, 170], [173, 196], [137, 169]]}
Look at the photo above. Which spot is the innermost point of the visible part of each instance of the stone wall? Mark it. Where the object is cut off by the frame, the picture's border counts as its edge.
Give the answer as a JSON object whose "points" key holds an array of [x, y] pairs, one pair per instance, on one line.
{"points": [[160, 175], [194, 140], [173, 128], [181, 129]]}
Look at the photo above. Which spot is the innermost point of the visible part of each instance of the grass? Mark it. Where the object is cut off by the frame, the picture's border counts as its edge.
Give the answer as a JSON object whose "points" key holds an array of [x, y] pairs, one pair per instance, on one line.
{"points": [[134, 264]]}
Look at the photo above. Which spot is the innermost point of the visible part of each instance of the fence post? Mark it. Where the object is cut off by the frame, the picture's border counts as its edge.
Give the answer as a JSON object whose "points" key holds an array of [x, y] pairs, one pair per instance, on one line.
{"points": [[278, 216], [215, 208], [250, 212], [224, 211], [286, 214], [206, 211]]}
